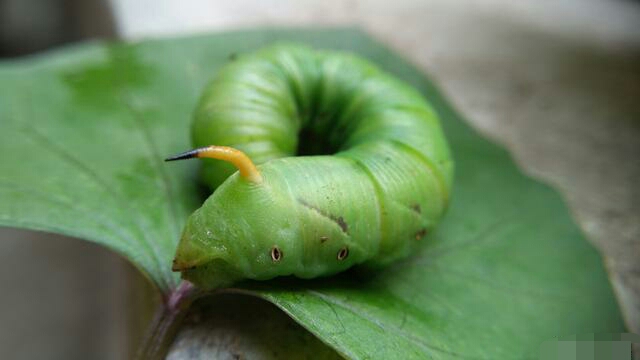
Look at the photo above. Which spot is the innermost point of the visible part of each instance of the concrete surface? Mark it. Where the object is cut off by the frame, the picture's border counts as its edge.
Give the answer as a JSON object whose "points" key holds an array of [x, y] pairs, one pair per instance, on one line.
{"points": [[62, 298]]}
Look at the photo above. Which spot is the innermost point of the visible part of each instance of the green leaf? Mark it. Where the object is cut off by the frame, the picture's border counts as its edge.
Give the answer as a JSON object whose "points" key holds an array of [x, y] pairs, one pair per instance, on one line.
{"points": [[230, 326], [82, 135]]}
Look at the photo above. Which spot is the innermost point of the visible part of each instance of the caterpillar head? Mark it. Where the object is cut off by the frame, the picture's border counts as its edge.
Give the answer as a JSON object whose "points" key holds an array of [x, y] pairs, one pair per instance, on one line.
{"points": [[236, 234], [203, 256]]}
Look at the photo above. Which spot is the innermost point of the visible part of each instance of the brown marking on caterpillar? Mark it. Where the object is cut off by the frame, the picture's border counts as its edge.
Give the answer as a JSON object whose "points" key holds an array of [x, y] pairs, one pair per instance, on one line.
{"points": [[323, 239], [276, 254], [416, 208], [343, 224], [343, 253], [176, 266], [421, 233], [339, 220]]}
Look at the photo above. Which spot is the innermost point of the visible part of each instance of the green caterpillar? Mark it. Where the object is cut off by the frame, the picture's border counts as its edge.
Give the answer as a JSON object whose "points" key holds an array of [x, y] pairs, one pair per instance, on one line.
{"points": [[371, 177]]}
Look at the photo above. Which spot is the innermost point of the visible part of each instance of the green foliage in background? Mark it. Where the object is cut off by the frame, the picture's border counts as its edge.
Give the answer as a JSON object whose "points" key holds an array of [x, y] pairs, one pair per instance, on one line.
{"points": [[83, 132]]}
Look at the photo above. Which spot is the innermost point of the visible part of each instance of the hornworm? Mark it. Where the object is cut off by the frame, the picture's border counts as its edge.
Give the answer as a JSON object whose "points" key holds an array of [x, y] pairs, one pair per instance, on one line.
{"points": [[352, 168]]}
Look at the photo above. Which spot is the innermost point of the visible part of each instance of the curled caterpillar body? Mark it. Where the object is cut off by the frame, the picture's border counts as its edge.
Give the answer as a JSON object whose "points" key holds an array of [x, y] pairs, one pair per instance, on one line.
{"points": [[353, 166]]}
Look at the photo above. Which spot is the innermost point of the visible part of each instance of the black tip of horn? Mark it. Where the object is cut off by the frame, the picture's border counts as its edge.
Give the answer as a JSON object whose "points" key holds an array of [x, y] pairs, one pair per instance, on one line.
{"points": [[185, 155]]}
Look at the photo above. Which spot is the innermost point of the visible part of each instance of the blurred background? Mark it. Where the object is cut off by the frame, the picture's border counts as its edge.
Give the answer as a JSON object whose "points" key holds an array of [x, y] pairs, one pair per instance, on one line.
{"points": [[556, 82]]}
